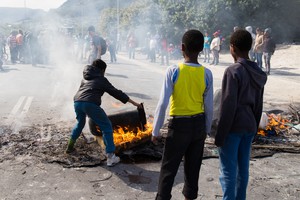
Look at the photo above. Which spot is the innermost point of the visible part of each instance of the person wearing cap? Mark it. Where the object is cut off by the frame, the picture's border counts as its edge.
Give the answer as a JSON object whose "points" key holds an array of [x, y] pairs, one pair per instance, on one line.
{"points": [[268, 49], [215, 48], [95, 51]]}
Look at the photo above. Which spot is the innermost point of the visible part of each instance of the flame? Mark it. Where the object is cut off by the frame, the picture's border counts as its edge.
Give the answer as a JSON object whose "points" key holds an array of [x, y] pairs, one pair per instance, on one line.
{"points": [[123, 135], [276, 125]]}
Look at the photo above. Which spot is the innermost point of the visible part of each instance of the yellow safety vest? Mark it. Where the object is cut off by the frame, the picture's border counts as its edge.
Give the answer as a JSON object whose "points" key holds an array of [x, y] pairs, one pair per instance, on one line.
{"points": [[187, 97]]}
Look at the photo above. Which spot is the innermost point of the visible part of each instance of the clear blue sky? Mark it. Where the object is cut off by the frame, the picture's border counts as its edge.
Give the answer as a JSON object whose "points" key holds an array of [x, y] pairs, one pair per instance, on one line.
{"points": [[35, 4]]}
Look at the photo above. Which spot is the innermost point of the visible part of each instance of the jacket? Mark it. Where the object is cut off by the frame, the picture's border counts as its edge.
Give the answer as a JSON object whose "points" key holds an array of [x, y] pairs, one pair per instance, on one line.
{"points": [[93, 86], [242, 99], [269, 45]]}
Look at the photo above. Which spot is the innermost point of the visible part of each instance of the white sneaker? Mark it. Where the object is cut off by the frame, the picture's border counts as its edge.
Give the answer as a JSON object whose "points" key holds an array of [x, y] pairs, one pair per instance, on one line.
{"points": [[112, 160]]}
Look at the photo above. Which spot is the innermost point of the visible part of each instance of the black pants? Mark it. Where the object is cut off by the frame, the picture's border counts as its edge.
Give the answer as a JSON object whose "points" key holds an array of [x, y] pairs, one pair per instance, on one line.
{"points": [[186, 137]]}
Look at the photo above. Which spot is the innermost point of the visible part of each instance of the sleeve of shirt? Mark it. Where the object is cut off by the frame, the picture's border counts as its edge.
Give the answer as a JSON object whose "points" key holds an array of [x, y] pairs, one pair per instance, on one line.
{"points": [[208, 100], [116, 93], [166, 92]]}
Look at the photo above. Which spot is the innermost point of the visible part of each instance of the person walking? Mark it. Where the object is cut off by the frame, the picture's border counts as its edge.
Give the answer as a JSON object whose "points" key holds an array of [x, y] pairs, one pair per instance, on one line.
{"points": [[97, 44], [189, 87], [240, 113], [87, 102]]}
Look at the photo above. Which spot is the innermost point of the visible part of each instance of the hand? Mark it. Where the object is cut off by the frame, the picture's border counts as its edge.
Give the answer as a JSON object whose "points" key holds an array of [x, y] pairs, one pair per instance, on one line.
{"points": [[154, 140], [139, 105]]}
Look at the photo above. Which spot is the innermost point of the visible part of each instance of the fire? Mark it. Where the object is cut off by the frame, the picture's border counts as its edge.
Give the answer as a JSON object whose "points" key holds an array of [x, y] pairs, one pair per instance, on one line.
{"points": [[122, 135], [124, 138], [275, 125]]}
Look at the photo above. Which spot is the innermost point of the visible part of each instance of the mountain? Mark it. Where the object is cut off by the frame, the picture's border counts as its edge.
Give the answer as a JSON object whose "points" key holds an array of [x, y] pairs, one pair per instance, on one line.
{"points": [[88, 8], [17, 15]]}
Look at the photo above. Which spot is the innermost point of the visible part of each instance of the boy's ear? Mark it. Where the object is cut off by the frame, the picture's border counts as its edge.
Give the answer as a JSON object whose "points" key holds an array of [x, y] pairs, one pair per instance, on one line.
{"points": [[233, 48], [183, 47]]}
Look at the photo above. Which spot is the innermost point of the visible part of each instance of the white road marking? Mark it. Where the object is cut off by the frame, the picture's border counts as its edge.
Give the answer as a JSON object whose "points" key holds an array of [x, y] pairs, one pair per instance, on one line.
{"points": [[17, 106], [18, 113], [27, 105]]}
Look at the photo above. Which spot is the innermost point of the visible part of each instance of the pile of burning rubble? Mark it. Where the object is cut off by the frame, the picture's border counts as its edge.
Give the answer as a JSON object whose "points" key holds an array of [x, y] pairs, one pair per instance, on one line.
{"points": [[132, 136], [279, 130]]}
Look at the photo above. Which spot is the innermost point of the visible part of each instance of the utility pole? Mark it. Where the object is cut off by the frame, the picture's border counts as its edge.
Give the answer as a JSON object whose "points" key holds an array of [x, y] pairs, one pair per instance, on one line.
{"points": [[81, 12], [25, 11], [118, 23]]}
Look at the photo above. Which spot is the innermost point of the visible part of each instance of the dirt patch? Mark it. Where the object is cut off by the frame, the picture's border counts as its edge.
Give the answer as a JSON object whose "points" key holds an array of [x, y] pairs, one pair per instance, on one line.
{"points": [[47, 143]]}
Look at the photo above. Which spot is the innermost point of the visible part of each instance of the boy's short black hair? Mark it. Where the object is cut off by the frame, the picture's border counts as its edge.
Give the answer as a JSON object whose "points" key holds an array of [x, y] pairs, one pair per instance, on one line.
{"points": [[193, 40], [99, 64], [241, 39]]}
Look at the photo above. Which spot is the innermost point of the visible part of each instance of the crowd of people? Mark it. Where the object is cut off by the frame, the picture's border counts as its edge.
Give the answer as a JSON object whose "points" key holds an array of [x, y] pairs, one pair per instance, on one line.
{"points": [[188, 88], [34, 47], [263, 47]]}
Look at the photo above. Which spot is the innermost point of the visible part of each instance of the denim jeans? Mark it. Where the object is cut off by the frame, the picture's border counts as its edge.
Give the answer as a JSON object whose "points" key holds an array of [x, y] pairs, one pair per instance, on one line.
{"points": [[259, 59], [215, 57], [267, 58], [97, 114], [234, 165], [206, 54], [186, 138]]}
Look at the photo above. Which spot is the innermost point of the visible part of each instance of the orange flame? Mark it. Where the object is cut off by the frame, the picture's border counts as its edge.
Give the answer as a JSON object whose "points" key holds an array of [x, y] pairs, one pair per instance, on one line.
{"points": [[276, 123], [122, 135]]}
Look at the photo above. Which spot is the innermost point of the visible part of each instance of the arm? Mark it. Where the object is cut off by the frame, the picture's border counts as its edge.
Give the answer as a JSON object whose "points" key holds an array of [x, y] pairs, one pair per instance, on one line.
{"points": [[166, 92], [99, 51], [208, 100], [228, 106], [114, 92]]}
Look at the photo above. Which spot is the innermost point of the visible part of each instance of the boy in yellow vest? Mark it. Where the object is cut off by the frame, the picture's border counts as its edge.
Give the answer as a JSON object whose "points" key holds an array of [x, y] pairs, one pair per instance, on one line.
{"points": [[189, 87]]}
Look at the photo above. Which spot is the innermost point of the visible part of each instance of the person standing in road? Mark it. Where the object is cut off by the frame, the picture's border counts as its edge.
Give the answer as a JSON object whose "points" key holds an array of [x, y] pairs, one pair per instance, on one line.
{"points": [[97, 44], [87, 102], [215, 48], [251, 52], [258, 46], [206, 47], [268, 49], [189, 87], [240, 113]]}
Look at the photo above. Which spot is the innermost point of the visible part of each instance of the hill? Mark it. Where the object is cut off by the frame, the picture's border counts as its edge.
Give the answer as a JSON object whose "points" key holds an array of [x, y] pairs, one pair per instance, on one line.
{"points": [[17, 15]]}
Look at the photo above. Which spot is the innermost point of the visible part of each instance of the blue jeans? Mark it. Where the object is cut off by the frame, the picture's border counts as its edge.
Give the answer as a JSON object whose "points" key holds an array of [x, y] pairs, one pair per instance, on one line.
{"points": [[234, 165], [206, 54], [259, 59], [97, 114]]}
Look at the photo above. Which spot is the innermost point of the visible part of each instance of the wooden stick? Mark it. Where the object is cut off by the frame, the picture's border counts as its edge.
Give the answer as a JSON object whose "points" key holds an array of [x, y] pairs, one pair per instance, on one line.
{"points": [[275, 147]]}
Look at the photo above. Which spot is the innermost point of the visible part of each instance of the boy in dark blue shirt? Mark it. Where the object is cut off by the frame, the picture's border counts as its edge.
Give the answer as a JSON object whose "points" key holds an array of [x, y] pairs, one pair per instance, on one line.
{"points": [[241, 108]]}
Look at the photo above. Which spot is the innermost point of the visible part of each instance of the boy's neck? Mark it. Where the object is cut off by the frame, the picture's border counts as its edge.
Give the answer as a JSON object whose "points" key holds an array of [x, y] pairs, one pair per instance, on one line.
{"points": [[191, 60], [243, 55]]}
